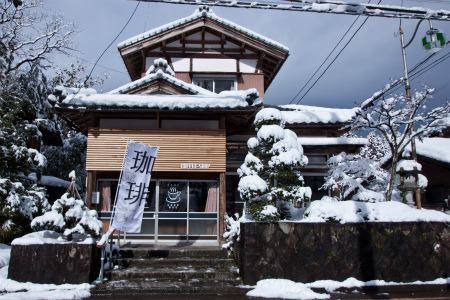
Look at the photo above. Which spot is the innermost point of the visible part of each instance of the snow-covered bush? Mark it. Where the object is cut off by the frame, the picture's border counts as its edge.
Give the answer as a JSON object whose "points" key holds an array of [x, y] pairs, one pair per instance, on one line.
{"points": [[18, 206], [270, 171], [233, 231], [361, 176], [69, 216]]}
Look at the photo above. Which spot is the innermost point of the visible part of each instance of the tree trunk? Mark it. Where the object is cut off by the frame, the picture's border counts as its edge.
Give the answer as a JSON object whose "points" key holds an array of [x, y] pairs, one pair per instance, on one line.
{"points": [[392, 180]]}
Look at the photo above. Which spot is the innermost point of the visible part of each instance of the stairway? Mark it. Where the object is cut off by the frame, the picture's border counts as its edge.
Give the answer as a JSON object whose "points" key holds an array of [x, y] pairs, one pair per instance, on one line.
{"points": [[172, 270]]}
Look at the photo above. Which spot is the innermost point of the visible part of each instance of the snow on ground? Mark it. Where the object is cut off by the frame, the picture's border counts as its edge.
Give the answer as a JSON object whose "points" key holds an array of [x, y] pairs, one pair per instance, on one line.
{"points": [[14, 290], [287, 289], [283, 288], [4, 255]]}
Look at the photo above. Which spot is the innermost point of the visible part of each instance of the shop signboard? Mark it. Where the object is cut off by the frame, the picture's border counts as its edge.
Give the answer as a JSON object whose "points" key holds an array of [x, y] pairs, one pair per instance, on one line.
{"points": [[134, 188]]}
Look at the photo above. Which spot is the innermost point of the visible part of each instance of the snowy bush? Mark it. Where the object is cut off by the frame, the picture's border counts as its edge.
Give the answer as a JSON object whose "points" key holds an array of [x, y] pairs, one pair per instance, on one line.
{"points": [[18, 206], [275, 154], [361, 176], [69, 216], [233, 231]]}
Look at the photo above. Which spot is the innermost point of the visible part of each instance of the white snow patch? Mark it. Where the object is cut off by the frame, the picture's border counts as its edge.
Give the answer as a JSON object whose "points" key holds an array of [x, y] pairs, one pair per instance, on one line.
{"points": [[315, 114], [284, 288], [408, 165], [5, 253], [287, 289], [47, 237], [323, 141], [355, 212], [331, 285], [435, 148], [160, 101]]}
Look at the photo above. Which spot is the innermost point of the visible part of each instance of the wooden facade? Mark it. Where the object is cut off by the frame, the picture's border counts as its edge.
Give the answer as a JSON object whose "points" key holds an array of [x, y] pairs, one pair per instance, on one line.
{"points": [[180, 150]]}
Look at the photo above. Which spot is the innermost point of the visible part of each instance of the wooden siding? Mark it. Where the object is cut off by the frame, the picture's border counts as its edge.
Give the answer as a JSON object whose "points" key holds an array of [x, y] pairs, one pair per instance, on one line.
{"points": [[183, 76], [106, 147], [250, 81]]}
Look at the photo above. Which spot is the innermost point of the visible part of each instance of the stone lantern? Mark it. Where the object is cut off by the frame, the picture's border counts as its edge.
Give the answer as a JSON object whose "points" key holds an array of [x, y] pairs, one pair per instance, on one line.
{"points": [[409, 169]]}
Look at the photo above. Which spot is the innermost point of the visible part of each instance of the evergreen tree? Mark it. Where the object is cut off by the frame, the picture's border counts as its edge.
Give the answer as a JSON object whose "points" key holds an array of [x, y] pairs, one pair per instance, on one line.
{"points": [[28, 36], [271, 184]]}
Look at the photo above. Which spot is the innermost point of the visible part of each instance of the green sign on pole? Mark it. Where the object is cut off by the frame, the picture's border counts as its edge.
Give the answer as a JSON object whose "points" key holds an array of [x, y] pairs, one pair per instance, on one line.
{"points": [[433, 40]]}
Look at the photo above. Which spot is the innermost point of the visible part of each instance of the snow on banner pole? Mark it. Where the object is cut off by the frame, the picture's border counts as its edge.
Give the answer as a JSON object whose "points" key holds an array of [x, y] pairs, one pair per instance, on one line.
{"points": [[134, 188]]}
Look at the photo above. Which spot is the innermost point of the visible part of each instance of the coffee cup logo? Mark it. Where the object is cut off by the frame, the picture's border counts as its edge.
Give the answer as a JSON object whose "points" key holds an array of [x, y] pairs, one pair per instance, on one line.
{"points": [[173, 198]]}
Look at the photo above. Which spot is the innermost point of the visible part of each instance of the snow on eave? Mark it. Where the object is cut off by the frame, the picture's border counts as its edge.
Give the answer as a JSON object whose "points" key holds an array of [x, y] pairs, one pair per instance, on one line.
{"points": [[305, 114], [434, 148], [328, 141], [163, 76], [215, 101], [197, 15]]}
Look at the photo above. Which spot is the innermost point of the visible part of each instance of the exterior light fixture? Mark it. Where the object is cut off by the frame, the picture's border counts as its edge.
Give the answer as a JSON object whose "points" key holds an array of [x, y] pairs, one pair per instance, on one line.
{"points": [[433, 41]]}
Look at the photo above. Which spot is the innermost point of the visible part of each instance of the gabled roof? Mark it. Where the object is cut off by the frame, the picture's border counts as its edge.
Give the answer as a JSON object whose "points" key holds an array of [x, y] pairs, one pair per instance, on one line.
{"points": [[200, 13], [160, 78], [269, 54]]}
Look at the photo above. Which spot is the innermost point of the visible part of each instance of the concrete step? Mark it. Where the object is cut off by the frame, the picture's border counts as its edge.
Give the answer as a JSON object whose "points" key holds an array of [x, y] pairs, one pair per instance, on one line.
{"points": [[173, 252], [165, 286], [175, 262], [169, 270], [181, 272]]}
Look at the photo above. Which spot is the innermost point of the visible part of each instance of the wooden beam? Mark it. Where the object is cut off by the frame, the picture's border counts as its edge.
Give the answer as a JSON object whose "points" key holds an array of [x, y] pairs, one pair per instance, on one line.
{"points": [[90, 187], [200, 42], [205, 55], [222, 204]]}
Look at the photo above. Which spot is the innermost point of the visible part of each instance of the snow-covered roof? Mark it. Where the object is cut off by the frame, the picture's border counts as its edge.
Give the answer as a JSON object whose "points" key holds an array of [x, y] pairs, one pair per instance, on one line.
{"points": [[435, 148], [299, 114], [327, 141], [228, 100], [200, 13], [161, 75]]}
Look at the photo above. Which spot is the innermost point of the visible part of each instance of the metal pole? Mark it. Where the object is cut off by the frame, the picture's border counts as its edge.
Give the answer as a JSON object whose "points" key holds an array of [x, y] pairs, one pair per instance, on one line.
{"points": [[411, 129], [102, 265]]}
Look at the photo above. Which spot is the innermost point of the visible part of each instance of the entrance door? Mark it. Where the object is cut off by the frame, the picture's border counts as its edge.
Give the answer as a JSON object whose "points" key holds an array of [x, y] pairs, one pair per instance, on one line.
{"points": [[185, 210]]}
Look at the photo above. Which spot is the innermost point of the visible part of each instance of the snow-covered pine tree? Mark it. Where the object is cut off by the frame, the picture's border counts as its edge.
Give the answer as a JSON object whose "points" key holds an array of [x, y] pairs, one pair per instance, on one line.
{"points": [[376, 149], [271, 183]]}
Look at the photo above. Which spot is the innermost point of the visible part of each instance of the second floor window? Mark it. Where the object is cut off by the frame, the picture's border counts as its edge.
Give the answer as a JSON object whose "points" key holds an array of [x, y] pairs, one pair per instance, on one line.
{"points": [[215, 85]]}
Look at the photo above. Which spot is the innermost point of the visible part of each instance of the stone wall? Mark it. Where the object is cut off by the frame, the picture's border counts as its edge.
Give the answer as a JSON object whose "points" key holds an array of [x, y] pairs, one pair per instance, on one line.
{"points": [[55, 263], [306, 252]]}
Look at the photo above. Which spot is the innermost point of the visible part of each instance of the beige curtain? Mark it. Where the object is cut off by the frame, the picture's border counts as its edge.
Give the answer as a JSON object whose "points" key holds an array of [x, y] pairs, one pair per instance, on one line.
{"points": [[104, 188], [211, 201]]}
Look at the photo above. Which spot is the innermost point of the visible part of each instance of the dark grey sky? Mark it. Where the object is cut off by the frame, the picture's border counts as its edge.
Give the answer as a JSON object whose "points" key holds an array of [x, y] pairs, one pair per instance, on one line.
{"points": [[364, 67]]}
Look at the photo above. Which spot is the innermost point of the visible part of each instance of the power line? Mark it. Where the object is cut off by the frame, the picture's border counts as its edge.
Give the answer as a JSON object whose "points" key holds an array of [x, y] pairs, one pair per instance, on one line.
{"points": [[424, 69], [351, 26], [108, 68], [334, 58], [117, 36]]}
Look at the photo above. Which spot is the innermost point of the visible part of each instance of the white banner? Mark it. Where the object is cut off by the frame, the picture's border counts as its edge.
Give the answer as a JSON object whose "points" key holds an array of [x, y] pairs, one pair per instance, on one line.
{"points": [[134, 188]]}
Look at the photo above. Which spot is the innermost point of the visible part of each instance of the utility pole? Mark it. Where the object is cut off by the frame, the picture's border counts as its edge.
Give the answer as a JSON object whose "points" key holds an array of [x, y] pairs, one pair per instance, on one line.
{"points": [[408, 98]]}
